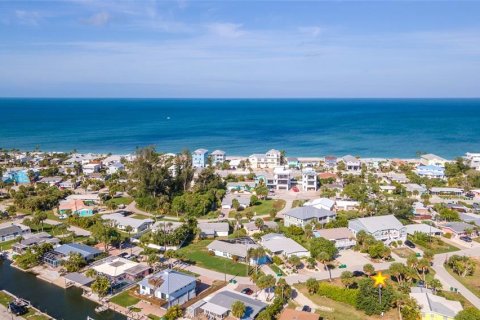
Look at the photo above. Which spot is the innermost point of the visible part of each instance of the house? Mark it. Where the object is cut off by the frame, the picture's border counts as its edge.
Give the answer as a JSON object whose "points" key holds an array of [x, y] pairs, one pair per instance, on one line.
{"points": [[114, 158], [174, 287], [33, 239], [433, 307], [271, 159], [119, 269], [278, 244], [219, 156], [51, 181], [123, 222], [432, 172], [13, 231], [243, 200], [220, 304], [301, 216], [415, 188], [387, 189], [342, 237], [89, 198], [235, 249], [292, 314], [374, 163], [78, 207], [18, 176], [115, 167], [457, 229], [384, 228], [309, 180], [266, 178], [473, 160], [331, 161], [200, 158], [252, 228], [213, 229], [423, 228], [352, 163], [67, 185], [281, 178], [432, 160], [345, 205], [55, 257], [90, 168], [321, 203], [420, 211], [446, 191], [293, 163]]}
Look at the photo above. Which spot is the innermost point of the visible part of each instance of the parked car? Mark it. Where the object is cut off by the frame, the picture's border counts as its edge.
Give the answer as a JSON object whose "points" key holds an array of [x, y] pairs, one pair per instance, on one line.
{"points": [[409, 244], [466, 239], [421, 284], [17, 309], [306, 308], [247, 291], [358, 273]]}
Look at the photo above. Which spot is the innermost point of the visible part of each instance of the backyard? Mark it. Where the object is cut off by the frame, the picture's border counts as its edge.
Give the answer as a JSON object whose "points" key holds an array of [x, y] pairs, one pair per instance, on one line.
{"points": [[263, 207], [125, 299], [198, 253]]}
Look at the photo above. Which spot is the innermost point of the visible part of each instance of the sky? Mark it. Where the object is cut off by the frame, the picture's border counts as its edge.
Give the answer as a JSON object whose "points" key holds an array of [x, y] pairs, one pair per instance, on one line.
{"points": [[244, 49]]}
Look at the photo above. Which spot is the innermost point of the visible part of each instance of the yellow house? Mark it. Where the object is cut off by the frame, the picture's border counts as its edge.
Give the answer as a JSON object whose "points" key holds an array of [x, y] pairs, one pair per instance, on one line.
{"points": [[434, 307]]}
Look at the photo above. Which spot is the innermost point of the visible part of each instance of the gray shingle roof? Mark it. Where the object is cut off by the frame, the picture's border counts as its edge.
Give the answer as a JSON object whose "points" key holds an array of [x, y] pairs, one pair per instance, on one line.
{"points": [[309, 212], [172, 281], [10, 230], [227, 298]]}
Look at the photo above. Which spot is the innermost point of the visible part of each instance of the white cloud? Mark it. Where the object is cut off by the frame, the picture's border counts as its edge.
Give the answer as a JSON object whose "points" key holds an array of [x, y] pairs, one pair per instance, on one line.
{"points": [[226, 30], [313, 31], [98, 19], [31, 18]]}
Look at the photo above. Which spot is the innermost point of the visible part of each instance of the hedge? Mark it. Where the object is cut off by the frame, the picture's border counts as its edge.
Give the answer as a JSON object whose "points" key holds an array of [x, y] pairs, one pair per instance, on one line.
{"points": [[348, 296]]}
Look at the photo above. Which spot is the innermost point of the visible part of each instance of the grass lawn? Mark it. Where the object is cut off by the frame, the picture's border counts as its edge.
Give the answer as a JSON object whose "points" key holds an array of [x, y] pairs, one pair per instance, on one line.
{"points": [[456, 297], [7, 245], [124, 299], [342, 310], [153, 317], [403, 252], [298, 203], [275, 269], [263, 208], [436, 246], [471, 282], [198, 253], [5, 299], [121, 200]]}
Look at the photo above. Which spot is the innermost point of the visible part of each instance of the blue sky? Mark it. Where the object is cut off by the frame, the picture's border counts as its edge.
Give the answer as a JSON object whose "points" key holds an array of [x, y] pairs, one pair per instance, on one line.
{"points": [[186, 48]]}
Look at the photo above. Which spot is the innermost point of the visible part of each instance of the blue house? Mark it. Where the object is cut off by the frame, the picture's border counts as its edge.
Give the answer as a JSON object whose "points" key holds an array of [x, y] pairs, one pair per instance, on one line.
{"points": [[200, 158], [17, 176], [431, 171]]}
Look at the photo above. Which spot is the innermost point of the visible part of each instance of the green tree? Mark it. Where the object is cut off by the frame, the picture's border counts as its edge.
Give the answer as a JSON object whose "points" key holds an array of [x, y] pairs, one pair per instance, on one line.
{"points": [[74, 262], [253, 200], [324, 257], [347, 278], [368, 299], [312, 285], [470, 313], [318, 245], [369, 269], [238, 309], [173, 313], [259, 223], [101, 285]]}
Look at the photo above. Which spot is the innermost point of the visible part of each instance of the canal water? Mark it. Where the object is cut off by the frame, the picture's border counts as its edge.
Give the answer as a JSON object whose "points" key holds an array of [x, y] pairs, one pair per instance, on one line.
{"points": [[62, 304]]}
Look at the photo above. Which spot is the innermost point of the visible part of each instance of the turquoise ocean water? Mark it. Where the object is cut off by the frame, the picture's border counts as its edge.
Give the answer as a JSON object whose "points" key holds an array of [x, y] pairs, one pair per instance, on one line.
{"points": [[309, 127]]}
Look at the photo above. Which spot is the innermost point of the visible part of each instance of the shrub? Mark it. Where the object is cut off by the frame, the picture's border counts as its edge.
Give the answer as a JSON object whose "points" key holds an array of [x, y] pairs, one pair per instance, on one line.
{"points": [[345, 295], [448, 235], [277, 260]]}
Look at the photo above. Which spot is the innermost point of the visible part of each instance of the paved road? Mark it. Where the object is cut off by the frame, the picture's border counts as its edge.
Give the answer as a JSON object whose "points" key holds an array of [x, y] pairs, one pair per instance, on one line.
{"points": [[448, 280]]}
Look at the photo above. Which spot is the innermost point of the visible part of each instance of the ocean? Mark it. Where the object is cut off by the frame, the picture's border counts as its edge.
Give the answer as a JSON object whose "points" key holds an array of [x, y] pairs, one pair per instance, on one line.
{"points": [[301, 127]]}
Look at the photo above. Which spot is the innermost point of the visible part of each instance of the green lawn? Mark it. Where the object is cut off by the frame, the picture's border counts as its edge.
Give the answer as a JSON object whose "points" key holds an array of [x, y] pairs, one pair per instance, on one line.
{"points": [[276, 269], [5, 299], [124, 299], [153, 317], [121, 200], [263, 208], [7, 245], [436, 246], [198, 253], [298, 203], [471, 282]]}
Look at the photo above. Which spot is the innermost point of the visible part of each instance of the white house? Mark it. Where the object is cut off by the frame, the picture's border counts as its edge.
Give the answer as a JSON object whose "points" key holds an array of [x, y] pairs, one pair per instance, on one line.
{"points": [[278, 244], [385, 228], [213, 229], [309, 180], [301, 216], [473, 160], [281, 178], [271, 159], [431, 172], [321, 203], [345, 205], [238, 248], [122, 222], [342, 237], [90, 168], [352, 163], [432, 160], [115, 167]]}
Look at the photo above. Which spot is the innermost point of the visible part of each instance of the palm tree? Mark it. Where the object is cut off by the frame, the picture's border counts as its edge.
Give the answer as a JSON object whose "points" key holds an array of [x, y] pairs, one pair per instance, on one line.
{"points": [[323, 257], [129, 230]]}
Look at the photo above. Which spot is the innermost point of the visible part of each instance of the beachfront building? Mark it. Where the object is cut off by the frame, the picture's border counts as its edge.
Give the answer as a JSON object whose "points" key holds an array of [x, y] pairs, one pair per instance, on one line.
{"points": [[213, 229], [384, 228], [174, 287], [281, 178], [235, 249], [431, 172], [271, 159], [302, 216], [123, 222], [219, 306], [342, 237], [433, 307], [352, 164], [200, 158], [309, 180], [473, 160], [115, 167], [91, 168], [278, 244], [13, 231], [218, 156], [293, 163], [330, 162], [432, 160]]}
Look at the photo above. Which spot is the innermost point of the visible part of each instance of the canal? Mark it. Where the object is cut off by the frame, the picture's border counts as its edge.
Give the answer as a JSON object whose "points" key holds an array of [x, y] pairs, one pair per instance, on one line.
{"points": [[59, 303]]}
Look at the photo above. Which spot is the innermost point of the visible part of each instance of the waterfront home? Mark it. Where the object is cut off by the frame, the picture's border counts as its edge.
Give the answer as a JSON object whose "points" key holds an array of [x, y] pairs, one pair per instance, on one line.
{"points": [[81, 158], [433, 307], [292, 314], [252, 228], [200, 158], [373, 163], [235, 249], [458, 229], [51, 181], [432, 160], [78, 207], [219, 306], [271, 159], [342, 237], [33, 239], [431, 172], [282, 178], [115, 167], [352, 163], [321, 203], [301, 216], [122, 222], [219, 156], [114, 158], [90, 168], [173, 287], [243, 200], [447, 191], [309, 180], [331, 162], [54, 258], [473, 160], [293, 163], [13, 231], [384, 228], [423, 228], [213, 229], [278, 244], [118, 269]]}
